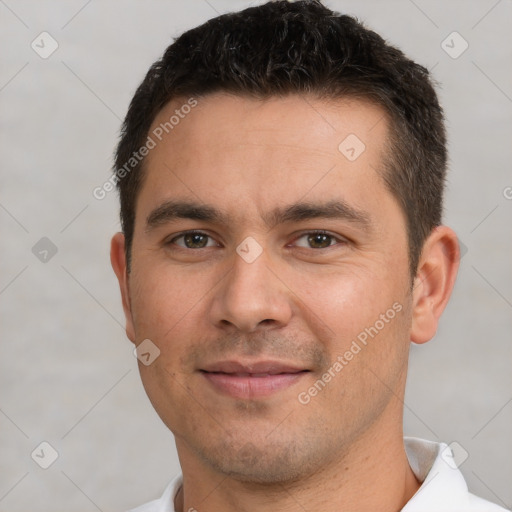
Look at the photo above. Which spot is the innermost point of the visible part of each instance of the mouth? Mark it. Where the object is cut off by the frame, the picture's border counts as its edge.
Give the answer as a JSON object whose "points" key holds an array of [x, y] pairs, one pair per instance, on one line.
{"points": [[259, 379]]}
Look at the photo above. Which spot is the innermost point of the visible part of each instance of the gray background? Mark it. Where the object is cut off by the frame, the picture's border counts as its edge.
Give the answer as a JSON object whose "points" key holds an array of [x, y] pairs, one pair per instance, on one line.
{"points": [[68, 375]]}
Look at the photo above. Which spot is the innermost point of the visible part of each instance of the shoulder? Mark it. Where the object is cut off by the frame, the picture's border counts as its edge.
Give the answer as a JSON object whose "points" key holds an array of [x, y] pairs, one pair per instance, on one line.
{"points": [[166, 502]]}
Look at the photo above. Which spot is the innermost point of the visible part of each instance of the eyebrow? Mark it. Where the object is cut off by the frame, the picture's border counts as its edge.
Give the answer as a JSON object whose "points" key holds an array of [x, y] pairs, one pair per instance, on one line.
{"points": [[297, 212]]}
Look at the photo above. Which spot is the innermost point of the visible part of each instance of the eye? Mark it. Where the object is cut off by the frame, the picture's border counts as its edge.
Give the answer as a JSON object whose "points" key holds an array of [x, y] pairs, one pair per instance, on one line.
{"points": [[193, 240], [317, 240]]}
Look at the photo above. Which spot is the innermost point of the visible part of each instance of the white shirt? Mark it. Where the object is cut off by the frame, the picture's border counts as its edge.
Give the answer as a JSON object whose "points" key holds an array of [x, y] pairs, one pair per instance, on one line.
{"points": [[443, 487]]}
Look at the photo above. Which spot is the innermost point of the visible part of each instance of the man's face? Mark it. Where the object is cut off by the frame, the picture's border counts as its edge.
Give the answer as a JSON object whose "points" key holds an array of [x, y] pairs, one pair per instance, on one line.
{"points": [[298, 259]]}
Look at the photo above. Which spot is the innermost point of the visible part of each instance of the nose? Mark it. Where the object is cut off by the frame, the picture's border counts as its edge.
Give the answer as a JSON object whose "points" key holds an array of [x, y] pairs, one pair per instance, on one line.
{"points": [[251, 297]]}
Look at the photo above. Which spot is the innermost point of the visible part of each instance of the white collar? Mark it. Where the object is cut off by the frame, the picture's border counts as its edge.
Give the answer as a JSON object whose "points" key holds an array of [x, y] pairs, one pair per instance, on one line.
{"points": [[443, 487]]}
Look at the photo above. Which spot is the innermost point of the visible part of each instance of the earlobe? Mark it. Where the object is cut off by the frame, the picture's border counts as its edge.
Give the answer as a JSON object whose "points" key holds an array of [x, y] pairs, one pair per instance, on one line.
{"points": [[118, 261], [435, 278]]}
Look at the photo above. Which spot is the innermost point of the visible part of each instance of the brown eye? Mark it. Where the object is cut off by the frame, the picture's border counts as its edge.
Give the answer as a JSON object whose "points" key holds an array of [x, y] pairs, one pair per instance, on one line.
{"points": [[317, 240], [193, 240]]}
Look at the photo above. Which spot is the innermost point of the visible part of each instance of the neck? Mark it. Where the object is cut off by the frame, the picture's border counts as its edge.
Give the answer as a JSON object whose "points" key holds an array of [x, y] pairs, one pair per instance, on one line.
{"points": [[373, 475]]}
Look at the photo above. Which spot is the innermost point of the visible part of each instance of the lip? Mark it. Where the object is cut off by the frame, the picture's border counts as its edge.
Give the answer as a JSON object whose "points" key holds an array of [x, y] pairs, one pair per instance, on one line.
{"points": [[253, 380]]}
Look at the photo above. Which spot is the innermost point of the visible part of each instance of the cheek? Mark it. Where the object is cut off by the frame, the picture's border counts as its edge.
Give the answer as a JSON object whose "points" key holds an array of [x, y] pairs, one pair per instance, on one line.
{"points": [[163, 296], [369, 325], [347, 301]]}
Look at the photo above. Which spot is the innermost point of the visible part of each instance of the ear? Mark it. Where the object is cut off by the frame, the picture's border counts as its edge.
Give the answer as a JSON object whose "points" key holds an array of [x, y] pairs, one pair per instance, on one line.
{"points": [[118, 260], [433, 284]]}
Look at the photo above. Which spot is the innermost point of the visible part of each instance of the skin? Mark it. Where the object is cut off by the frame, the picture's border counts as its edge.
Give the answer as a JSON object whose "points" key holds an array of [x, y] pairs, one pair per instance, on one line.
{"points": [[298, 302]]}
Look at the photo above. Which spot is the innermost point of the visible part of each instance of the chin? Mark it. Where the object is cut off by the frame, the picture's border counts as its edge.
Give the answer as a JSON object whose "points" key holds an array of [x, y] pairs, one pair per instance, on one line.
{"points": [[258, 464]]}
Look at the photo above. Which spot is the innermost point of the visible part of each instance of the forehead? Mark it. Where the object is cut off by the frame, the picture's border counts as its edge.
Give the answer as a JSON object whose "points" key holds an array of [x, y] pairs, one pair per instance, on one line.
{"points": [[221, 118], [242, 152]]}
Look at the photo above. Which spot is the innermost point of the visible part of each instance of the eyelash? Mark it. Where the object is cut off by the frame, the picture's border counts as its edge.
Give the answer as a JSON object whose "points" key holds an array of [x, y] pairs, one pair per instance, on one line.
{"points": [[339, 240]]}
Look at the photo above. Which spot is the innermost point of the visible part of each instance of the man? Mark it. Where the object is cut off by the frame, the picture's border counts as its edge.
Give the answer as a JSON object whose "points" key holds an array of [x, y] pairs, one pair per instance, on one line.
{"points": [[281, 175]]}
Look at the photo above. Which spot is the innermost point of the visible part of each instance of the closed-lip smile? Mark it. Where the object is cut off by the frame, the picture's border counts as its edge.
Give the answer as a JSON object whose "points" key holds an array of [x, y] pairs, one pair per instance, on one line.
{"points": [[251, 380]]}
